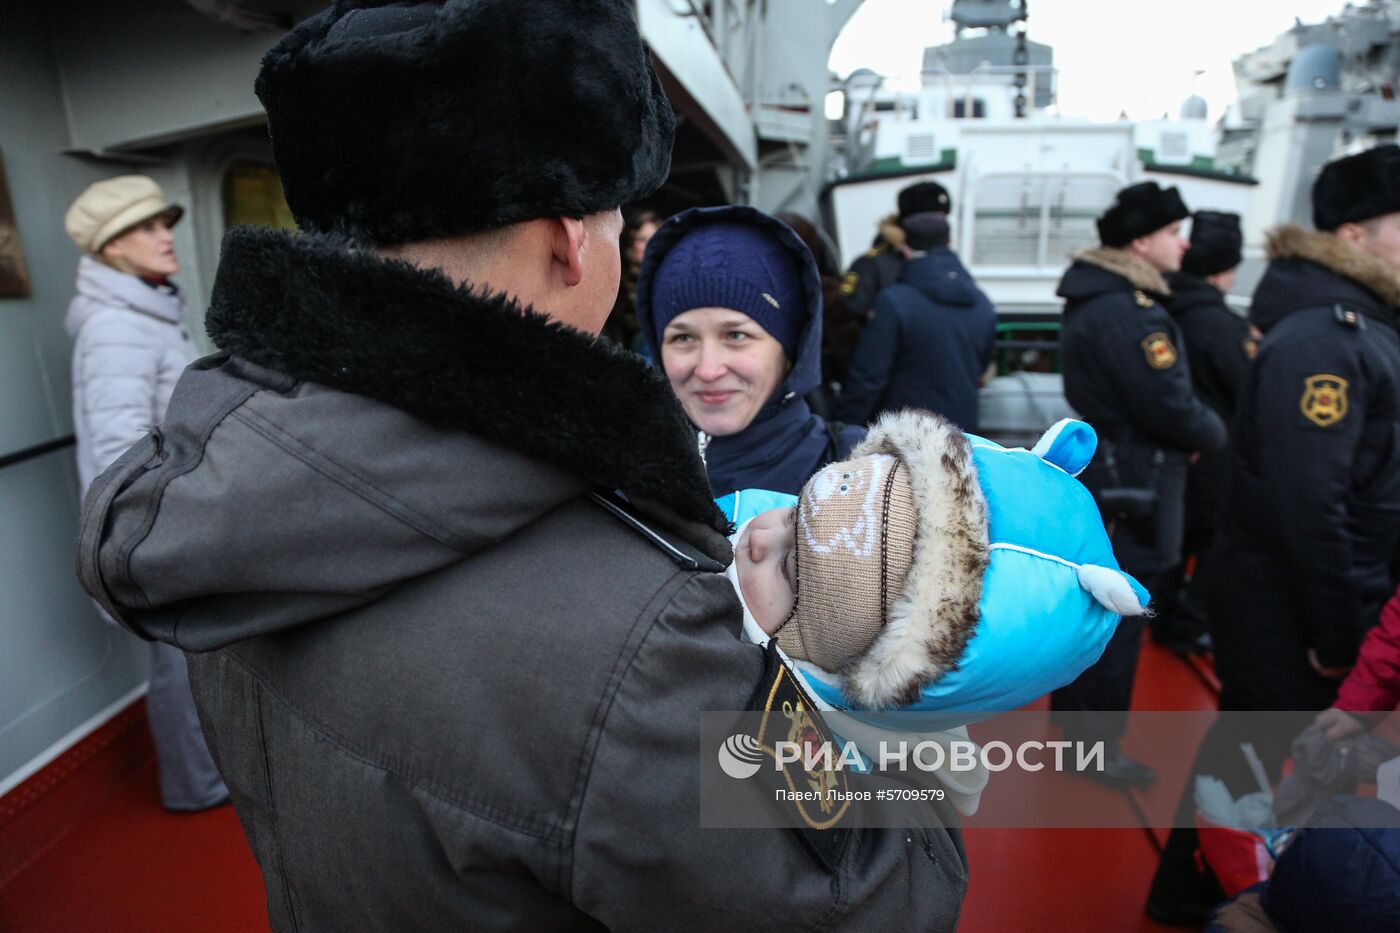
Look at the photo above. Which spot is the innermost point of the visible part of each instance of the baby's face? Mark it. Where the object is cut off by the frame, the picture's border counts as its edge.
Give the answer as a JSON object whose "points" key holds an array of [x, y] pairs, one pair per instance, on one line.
{"points": [[766, 562]]}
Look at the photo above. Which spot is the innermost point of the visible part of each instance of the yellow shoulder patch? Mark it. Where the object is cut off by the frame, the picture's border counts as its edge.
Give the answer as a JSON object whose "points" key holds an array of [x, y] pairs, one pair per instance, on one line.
{"points": [[1324, 401], [1158, 349]]}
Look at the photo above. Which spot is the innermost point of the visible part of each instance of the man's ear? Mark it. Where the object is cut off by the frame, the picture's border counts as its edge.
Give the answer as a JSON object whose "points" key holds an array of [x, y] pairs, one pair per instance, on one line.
{"points": [[569, 242], [1352, 234]]}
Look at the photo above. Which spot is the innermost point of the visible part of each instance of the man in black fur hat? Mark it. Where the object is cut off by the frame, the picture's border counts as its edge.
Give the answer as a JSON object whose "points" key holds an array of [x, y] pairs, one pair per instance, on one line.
{"points": [[1126, 374], [1220, 346], [1312, 518], [879, 267], [448, 565]]}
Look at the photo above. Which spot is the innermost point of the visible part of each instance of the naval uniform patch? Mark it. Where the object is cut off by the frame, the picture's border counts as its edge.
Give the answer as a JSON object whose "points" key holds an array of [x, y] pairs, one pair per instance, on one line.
{"points": [[1324, 401], [790, 715], [849, 283], [1158, 349]]}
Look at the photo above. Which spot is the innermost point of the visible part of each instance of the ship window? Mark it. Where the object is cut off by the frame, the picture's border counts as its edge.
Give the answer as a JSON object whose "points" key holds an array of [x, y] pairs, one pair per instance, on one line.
{"points": [[919, 148], [253, 196], [979, 108], [884, 106]]}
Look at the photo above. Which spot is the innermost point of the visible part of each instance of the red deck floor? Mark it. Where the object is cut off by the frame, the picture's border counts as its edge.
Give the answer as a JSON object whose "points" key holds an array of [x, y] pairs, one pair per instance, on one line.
{"points": [[134, 867]]}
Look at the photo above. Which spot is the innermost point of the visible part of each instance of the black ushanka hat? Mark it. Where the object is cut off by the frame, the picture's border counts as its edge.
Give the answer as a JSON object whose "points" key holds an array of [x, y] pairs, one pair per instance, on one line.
{"points": [[1217, 244], [1358, 187], [399, 122], [1139, 210]]}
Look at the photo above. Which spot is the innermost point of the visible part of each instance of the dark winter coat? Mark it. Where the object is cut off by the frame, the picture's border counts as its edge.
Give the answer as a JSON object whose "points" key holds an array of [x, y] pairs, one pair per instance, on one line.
{"points": [[1343, 873], [450, 687], [1314, 505], [1220, 348], [932, 338], [786, 442], [1126, 373], [875, 270]]}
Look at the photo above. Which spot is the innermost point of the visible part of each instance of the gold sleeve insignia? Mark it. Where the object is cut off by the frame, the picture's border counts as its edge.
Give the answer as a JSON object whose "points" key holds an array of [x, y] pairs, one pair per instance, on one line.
{"points": [[1324, 401], [1160, 352], [1251, 347], [1142, 299], [848, 284]]}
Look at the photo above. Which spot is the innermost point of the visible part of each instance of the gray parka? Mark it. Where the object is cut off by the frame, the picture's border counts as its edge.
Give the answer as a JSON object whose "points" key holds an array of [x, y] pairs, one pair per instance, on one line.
{"points": [[449, 688]]}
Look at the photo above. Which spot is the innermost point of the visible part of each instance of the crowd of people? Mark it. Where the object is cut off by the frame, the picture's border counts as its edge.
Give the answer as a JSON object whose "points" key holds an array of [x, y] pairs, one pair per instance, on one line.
{"points": [[433, 542]]}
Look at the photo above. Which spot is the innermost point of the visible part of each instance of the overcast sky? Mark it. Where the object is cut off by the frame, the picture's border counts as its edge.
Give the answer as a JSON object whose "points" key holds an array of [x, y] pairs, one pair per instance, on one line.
{"points": [[1132, 55]]}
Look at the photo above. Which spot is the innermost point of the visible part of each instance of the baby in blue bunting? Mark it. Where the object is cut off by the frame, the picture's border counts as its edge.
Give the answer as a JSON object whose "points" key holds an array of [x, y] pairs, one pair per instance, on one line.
{"points": [[934, 570]]}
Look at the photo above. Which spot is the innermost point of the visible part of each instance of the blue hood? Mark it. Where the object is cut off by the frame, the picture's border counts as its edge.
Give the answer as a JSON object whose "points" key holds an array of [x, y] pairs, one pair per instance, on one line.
{"points": [[785, 443], [806, 372], [941, 276]]}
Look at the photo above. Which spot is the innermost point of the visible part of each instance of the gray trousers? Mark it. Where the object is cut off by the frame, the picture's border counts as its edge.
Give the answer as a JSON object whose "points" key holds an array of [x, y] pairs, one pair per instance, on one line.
{"points": [[188, 778]]}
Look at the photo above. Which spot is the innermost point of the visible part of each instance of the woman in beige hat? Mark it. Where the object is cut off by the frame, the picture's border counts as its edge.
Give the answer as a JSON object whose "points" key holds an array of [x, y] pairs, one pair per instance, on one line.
{"points": [[129, 347]]}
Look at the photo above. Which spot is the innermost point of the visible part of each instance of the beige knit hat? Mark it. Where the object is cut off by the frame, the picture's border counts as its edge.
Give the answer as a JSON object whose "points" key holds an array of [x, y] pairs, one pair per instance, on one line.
{"points": [[110, 207], [856, 524]]}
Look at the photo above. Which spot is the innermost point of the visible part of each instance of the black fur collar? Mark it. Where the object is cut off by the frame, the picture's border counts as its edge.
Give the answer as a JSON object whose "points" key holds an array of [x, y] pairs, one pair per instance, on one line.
{"points": [[316, 309]]}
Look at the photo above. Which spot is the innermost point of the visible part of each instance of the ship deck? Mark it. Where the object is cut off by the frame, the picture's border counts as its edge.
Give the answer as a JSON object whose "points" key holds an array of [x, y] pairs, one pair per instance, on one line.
{"points": [[128, 865]]}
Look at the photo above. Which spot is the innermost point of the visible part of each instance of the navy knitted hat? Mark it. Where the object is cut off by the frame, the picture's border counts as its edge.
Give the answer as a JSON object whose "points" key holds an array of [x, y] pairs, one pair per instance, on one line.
{"points": [[736, 266]]}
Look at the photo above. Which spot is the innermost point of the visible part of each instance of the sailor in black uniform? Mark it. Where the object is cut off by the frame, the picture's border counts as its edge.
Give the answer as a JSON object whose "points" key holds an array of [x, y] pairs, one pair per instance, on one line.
{"points": [[1126, 373]]}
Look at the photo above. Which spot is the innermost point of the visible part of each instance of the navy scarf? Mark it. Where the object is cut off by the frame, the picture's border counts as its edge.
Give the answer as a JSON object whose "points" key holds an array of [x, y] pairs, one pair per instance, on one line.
{"points": [[780, 450]]}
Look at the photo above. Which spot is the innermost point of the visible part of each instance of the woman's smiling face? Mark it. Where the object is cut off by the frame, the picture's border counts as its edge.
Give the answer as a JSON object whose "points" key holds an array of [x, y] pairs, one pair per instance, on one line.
{"points": [[766, 563], [723, 366]]}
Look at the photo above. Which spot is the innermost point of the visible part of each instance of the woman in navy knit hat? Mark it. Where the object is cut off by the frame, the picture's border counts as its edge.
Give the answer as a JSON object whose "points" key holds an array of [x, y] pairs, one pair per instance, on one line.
{"points": [[729, 299]]}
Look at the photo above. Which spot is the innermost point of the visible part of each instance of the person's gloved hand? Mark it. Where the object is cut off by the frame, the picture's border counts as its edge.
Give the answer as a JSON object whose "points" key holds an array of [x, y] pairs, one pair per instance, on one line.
{"points": [[1338, 724]]}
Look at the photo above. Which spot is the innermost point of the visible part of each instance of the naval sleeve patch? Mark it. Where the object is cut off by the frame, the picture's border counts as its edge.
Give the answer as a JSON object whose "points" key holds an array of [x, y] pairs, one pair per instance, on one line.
{"points": [[790, 715], [1324, 401], [1159, 350]]}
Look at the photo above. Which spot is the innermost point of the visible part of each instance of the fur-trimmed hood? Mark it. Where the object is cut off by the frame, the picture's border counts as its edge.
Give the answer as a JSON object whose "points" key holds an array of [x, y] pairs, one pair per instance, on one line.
{"points": [[1105, 269], [1308, 268], [316, 309], [932, 620]]}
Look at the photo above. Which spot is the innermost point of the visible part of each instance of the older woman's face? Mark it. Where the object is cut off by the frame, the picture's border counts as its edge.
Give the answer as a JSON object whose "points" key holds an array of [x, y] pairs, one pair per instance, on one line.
{"points": [[723, 366], [146, 249]]}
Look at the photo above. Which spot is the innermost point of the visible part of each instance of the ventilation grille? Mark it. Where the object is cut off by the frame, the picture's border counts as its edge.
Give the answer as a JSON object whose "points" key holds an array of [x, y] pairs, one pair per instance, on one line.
{"points": [[919, 148]]}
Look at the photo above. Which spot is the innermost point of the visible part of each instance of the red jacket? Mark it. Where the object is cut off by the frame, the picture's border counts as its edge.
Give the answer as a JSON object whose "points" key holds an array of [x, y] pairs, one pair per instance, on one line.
{"points": [[1374, 684]]}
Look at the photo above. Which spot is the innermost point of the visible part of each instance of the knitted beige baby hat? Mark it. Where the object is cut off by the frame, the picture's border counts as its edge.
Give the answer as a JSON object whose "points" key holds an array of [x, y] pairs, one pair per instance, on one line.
{"points": [[855, 544]]}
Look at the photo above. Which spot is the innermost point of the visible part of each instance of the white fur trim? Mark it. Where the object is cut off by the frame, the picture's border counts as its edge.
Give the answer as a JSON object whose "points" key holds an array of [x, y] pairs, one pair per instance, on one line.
{"points": [[931, 622]]}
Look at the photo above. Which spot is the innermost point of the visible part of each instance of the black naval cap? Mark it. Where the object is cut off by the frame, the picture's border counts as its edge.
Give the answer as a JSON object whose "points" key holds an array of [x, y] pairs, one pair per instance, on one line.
{"points": [[1357, 187], [1140, 210], [1217, 244], [924, 197], [394, 122]]}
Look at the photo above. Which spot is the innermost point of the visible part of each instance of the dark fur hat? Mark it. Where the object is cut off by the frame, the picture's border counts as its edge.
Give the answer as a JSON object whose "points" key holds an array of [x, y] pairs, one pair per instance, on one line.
{"points": [[1140, 210], [399, 122], [1357, 188], [1217, 244], [924, 197]]}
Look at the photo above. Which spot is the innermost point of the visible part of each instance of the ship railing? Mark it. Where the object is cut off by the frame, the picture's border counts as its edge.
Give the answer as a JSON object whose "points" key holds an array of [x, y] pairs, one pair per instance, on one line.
{"points": [[1029, 223]]}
